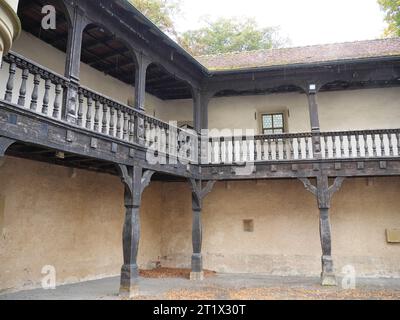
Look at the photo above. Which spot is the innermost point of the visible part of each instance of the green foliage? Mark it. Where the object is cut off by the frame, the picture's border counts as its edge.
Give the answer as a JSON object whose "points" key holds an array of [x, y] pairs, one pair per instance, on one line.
{"points": [[230, 35], [220, 36], [160, 12], [392, 10]]}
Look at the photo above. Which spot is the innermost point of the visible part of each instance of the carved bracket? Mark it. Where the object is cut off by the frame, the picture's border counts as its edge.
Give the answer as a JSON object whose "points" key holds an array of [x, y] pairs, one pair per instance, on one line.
{"points": [[134, 178], [199, 191], [323, 191], [5, 143]]}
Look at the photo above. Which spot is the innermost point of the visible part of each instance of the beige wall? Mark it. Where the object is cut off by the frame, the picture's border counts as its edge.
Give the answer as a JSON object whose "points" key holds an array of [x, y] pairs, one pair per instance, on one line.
{"points": [[50, 216], [285, 240], [339, 110]]}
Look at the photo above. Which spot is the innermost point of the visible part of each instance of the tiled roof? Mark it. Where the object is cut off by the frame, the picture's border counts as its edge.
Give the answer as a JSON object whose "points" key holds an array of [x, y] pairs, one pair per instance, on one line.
{"points": [[303, 55]]}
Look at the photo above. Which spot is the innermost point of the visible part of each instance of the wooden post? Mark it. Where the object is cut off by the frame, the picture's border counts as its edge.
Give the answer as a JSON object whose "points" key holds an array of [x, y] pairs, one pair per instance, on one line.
{"points": [[324, 193], [135, 181], [198, 194], [314, 120], [72, 65], [140, 81]]}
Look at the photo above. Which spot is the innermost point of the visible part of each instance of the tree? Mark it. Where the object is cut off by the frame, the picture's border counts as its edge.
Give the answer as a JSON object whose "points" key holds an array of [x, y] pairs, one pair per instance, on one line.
{"points": [[392, 10], [230, 35], [161, 12]]}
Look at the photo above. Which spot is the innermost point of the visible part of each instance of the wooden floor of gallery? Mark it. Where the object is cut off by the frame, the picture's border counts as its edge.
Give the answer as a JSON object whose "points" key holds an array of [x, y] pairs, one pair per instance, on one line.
{"points": [[220, 287]]}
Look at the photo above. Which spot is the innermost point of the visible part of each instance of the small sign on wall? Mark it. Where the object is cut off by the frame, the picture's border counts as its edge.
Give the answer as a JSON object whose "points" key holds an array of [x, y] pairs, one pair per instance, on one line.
{"points": [[393, 235]]}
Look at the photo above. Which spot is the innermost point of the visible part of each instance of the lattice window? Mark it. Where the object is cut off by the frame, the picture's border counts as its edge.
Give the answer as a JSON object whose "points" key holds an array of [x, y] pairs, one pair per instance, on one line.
{"points": [[273, 123]]}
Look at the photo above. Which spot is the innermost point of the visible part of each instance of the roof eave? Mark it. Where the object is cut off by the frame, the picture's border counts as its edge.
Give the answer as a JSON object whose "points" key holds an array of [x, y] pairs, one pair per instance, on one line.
{"points": [[304, 65]]}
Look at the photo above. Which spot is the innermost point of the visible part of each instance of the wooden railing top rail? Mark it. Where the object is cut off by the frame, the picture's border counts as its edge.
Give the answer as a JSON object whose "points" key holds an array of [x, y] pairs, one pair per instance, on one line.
{"points": [[25, 63]]}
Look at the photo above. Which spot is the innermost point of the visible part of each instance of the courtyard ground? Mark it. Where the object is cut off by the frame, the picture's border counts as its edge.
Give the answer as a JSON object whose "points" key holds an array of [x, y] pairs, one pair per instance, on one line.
{"points": [[174, 285]]}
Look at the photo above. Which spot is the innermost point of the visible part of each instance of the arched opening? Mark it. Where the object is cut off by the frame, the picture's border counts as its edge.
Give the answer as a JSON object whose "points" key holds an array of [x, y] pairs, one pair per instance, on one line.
{"points": [[33, 40], [102, 51], [174, 97]]}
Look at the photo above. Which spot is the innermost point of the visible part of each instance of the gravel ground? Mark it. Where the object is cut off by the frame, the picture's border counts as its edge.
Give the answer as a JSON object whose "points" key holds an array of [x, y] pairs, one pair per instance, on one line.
{"points": [[173, 284]]}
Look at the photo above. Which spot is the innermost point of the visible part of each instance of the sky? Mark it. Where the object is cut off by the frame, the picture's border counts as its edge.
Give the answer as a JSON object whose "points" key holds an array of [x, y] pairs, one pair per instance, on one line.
{"points": [[305, 22]]}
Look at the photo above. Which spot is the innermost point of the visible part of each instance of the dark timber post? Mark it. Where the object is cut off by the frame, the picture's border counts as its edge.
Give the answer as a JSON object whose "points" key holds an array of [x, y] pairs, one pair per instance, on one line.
{"points": [[324, 193], [314, 120], [140, 81], [135, 181], [72, 66], [205, 98], [198, 194]]}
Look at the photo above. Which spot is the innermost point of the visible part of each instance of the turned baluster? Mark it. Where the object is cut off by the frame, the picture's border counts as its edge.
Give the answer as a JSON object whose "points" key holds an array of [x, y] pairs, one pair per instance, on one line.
{"points": [[391, 148], [227, 153], [80, 109], [10, 82], [366, 147], [299, 148], [374, 148], [262, 141], [45, 106], [35, 92], [126, 126], [398, 143], [382, 143], [358, 147], [284, 149], [291, 146], [212, 150], [57, 102], [22, 90], [119, 116], [307, 148], [97, 116], [341, 140], [132, 127], [89, 113], [334, 144], [219, 150], [248, 148], [326, 147], [111, 129], [234, 157], [350, 145], [269, 142], [104, 119], [241, 153], [277, 153]]}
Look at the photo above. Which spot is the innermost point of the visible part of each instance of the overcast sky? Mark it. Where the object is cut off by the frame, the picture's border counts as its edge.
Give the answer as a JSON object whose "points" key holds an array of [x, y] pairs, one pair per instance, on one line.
{"points": [[305, 22]]}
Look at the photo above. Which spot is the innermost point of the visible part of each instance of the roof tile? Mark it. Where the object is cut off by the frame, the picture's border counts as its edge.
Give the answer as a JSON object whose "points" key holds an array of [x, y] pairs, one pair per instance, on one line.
{"points": [[303, 55]]}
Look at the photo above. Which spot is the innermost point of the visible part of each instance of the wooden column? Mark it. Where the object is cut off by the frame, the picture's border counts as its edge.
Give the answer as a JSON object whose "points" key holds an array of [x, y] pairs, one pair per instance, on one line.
{"points": [[198, 195], [140, 81], [135, 181], [314, 120], [72, 65], [324, 193]]}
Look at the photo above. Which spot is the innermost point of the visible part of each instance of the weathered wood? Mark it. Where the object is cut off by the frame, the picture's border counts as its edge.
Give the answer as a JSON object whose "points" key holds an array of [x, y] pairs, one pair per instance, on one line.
{"points": [[324, 193], [135, 181], [198, 194]]}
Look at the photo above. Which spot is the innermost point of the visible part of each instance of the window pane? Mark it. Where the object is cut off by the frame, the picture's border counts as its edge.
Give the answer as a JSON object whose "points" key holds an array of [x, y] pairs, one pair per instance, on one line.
{"points": [[267, 121], [278, 131], [278, 121], [269, 131]]}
